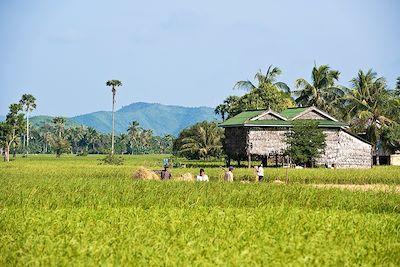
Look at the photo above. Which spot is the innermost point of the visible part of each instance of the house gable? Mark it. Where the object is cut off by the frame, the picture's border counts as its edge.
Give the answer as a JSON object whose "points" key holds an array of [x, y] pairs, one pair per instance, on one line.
{"points": [[269, 115], [313, 113]]}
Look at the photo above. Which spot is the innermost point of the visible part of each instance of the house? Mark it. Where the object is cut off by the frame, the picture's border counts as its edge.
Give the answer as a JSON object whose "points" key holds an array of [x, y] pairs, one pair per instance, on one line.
{"points": [[261, 134]]}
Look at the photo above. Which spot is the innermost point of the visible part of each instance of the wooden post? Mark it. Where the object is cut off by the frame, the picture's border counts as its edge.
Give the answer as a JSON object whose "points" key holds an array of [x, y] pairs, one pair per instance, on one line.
{"points": [[249, 160]]}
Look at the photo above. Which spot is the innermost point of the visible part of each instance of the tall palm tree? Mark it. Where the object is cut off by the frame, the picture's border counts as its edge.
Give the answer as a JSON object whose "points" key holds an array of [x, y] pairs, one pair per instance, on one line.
{"points": [[366, 105], [113, 84], [322, 92], [59, 122], [134, 133], [28, 103], [264, 80]]}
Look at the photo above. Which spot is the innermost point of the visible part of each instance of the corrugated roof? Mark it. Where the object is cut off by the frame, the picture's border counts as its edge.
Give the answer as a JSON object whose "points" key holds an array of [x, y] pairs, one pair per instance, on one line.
{"points": [[292, 112], [321, 123], [245, 117], [241, 118]]}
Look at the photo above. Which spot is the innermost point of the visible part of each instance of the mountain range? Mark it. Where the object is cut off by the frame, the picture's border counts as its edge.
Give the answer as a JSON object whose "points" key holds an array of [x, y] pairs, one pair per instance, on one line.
{"points": [[162, 119]]}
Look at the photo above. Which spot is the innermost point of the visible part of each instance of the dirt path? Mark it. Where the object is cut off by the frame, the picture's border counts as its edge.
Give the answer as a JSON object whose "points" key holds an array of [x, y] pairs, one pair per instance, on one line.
{"points": [[362, 187]]}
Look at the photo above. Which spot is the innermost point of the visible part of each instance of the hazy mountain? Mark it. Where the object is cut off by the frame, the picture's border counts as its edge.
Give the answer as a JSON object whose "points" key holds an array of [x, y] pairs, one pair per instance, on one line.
{"points": [[162, 119], [37, 121]]}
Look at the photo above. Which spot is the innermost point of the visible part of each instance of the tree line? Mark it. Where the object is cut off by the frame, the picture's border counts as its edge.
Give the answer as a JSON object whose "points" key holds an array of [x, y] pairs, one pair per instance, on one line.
{"points": [[368, 105], [17, 137]]}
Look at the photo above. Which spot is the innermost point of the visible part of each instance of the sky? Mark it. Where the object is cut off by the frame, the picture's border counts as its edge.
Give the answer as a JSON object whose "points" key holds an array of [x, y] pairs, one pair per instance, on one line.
{"points": [[182, 52]]}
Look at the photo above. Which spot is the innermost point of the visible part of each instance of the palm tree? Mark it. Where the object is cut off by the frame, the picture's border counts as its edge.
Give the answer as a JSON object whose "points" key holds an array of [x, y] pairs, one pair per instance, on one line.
{"points": [[264, 80], [134, 133], [221, 109], [366, 105], [59, 122], [203, 139], [146, 136], [28, 105], [113, 84], [322, 91], [93, 138]]}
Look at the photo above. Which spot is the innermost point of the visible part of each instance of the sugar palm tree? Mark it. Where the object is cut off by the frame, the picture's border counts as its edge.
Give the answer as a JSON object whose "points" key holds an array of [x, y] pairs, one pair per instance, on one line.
{"points": [[322, 92], [113, 84], [366, 105], [264, 80], [28, 105]]}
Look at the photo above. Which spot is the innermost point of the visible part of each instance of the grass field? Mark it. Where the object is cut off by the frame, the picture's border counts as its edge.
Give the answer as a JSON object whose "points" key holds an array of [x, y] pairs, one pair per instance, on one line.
{"points": [[72, 211]]}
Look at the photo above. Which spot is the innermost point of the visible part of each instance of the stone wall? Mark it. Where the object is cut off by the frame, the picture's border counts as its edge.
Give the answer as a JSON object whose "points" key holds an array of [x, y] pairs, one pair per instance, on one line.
{"points": [[263, 142], [345, 151], [342, 149]]}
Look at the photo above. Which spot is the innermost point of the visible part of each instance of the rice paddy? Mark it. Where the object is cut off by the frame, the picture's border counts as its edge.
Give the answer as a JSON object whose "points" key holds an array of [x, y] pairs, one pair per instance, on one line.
{"points": [[74, 212]]}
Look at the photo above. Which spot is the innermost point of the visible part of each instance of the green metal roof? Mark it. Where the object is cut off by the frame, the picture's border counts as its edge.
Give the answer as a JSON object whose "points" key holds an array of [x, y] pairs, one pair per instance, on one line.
{"points": [[244, 119], [241, 118], [292, 112], [321, 123]]}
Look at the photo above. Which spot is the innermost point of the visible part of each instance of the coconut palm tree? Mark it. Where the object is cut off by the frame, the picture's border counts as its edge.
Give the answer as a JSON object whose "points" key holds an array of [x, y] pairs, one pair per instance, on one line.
{"points": [[113, 84], [28, 105], [322, 92], [134, 134], [264, 80], [366, 105], [202, 139], [93, 138], [59, 122]]}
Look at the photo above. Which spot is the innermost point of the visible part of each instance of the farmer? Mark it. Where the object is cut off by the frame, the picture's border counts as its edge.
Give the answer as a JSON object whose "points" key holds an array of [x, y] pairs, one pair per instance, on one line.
{"points": [[166, 174], [202, 177], [229, 175], [260, 172]]}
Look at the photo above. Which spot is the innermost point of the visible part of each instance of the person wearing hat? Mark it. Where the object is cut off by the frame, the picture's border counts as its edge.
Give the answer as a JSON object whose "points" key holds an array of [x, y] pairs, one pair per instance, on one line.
{"points": [[166, 174], [229, 175]]}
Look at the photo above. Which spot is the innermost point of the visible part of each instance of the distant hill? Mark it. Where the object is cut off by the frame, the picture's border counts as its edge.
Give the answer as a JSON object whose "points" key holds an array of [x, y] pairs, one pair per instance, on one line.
{"points": [[162, 119], [37, 121]]}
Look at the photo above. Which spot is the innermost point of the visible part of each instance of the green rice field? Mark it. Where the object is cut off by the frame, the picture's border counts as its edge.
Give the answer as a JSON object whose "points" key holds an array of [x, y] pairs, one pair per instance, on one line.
{"points": [[74, 212]]}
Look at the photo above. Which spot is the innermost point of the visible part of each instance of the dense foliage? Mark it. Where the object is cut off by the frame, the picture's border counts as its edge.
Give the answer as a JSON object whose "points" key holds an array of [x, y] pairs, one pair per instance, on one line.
{"points": [[368, 105], [306, 142], [266, 93], [200, 141]]}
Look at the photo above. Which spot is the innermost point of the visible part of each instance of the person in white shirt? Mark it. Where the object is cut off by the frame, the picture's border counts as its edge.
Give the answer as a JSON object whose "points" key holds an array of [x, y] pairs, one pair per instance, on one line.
{"points": [[260, 172], [229, 175], [202, 177]]}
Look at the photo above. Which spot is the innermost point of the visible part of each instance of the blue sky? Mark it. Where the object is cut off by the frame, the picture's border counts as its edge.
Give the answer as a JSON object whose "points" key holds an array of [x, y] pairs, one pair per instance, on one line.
{"points": [[182, 52]]}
